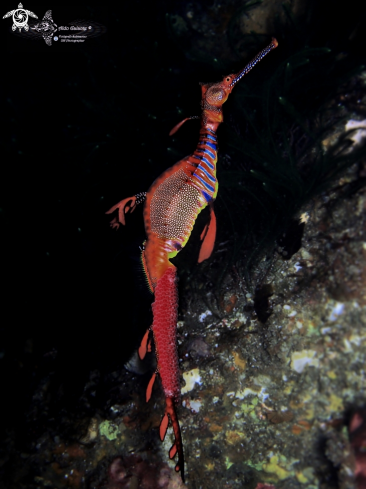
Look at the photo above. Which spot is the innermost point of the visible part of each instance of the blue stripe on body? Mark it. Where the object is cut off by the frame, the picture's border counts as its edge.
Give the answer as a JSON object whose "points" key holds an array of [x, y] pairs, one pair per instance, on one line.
{"points": [[213, 138], [206, 196], [212, 146], [208, 163], [208, 175], [207, 185], [202, 158], [209, 153], [206, 151], [207, 143]]}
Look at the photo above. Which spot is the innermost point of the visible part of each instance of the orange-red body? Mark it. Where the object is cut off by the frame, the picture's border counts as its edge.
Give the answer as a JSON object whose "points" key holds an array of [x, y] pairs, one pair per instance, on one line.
{"points": [[171, 207]]}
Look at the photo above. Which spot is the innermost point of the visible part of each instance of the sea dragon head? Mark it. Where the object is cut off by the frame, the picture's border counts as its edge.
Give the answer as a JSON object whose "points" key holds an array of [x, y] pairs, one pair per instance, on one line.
{"points": [[214, 95]]}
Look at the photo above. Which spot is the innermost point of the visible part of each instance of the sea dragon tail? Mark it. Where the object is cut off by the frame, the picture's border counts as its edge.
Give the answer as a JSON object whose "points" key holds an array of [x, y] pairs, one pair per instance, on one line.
{"points": [[165, 310]]}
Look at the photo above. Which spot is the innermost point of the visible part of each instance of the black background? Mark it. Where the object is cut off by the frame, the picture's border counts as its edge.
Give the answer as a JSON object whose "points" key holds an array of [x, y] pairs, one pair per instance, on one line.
{"points": [[83, 126]]}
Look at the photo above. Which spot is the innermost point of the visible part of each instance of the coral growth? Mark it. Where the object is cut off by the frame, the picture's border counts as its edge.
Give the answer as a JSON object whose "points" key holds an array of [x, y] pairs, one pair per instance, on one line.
{"points": [[133, 472]]}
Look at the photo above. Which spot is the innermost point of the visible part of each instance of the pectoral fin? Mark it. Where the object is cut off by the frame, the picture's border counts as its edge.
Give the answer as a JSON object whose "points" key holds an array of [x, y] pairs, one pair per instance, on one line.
{"points": [[126, 205], [208, 236]]}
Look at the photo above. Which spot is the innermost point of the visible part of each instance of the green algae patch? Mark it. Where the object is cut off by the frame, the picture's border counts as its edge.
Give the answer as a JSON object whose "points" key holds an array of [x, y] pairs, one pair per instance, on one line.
{"points": [[109, 430], [301, 478], [246, 408], [335, 404], [312, 329], [257, 466], [228, 463], [272, 467]]}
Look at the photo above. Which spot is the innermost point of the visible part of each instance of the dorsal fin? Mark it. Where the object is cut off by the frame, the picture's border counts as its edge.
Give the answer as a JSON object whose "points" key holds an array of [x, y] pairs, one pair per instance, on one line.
{"points": [[173, 451], [163, 426], [145, 345], [149, 387]]}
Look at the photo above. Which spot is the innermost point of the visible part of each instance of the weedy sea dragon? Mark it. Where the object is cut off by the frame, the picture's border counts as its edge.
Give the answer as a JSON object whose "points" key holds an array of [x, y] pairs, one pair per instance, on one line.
{"points": [[171, 207]]}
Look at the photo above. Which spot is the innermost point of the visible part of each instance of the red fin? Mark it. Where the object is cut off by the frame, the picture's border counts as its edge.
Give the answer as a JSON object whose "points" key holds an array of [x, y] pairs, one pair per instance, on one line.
{"points": [[208, 235], [173, 451], [178, 126], [126, 205], [149, 387], [145, 344], [164, 426], [203, 234]]}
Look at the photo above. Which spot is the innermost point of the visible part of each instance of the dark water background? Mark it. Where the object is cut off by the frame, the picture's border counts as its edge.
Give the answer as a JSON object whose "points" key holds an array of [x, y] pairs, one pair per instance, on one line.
{"points": [[83, 126]]}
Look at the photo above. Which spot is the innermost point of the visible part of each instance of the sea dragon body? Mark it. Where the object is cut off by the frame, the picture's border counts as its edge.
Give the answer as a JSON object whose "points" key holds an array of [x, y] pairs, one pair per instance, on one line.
{"points": [[171, 207]]}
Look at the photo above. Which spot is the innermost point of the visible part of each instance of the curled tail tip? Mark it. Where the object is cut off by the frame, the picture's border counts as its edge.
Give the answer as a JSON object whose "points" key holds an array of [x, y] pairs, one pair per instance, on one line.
{"points": [[180, 469], [177, 447]]}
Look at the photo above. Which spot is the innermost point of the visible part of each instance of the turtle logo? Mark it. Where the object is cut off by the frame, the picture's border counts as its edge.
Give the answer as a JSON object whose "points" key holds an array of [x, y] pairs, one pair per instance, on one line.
{"points": [[20, 17]]}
